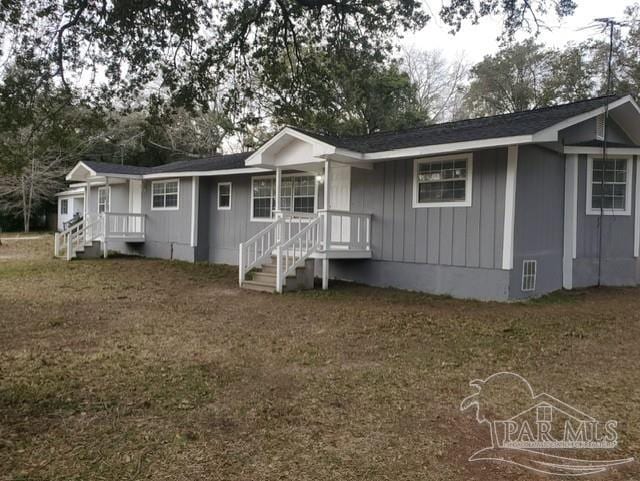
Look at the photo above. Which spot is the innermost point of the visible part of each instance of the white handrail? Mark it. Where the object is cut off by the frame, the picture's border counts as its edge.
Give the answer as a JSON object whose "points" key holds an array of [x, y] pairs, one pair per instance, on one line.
{"points": [[295, 251], [258, 248]]}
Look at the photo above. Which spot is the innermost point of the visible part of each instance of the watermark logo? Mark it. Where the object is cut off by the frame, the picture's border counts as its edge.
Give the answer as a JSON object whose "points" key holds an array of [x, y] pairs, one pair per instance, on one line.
{"points": [[525, 429]]}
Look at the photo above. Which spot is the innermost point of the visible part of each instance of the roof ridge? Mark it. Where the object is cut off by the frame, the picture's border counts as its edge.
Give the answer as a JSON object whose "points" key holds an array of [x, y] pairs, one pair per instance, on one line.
{"points": [[450, 122]]}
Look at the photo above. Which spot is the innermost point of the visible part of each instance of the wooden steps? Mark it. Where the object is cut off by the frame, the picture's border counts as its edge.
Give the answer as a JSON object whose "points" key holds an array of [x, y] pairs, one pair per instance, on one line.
{"points": [[264, 279]]}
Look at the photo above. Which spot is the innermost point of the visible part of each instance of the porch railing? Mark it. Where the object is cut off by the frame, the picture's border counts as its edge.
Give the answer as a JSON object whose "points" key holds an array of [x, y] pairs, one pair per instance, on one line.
{"points": [[346, 230]]}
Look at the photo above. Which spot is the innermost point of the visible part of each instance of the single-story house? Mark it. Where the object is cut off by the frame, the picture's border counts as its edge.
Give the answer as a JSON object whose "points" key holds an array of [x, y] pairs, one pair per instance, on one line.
{"points": [[496, 208]]}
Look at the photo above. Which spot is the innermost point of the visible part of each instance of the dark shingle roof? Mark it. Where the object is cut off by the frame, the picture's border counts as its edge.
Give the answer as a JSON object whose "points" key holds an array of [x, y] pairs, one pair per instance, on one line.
{"points": [[109, 168], [215, 162], [507, 125]]}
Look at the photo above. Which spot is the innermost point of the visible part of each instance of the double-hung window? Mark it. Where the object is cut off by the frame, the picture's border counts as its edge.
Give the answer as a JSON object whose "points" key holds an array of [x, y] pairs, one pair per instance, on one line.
{"points": [[609, 185], [103, 199], [164, 195], [224, 196], [442, 181], [64, 206], [297, 194]]}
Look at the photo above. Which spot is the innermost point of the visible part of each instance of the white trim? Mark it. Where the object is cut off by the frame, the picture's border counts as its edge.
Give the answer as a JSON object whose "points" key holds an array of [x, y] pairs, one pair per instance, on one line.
{"points": [[284, 176], [320, 148], [71, 193], [195, 189], [230, 195], [550, 134], [510, 207], [570, 219], [177, 207], [468, 196], [66, 200], [628, 188], [108, 207], [598, 150], [636, 233], [76, 167], [206, 173], [438, 149]]}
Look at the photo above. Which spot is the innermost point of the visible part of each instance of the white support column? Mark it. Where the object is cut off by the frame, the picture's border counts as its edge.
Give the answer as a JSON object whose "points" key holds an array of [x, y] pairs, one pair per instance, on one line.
{"points": [[325, 274], [570, 218], [326, 184], [278, 188], [510, 208], [195, 189], [105, 234]]}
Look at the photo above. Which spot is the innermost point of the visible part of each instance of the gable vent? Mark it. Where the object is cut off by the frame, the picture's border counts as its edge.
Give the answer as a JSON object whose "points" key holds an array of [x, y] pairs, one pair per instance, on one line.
{"points": [[600, 127], [529, 273]]}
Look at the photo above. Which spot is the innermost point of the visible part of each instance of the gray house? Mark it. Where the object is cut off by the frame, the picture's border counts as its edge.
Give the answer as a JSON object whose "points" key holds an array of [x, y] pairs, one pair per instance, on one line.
{"points": [[500, 208]]}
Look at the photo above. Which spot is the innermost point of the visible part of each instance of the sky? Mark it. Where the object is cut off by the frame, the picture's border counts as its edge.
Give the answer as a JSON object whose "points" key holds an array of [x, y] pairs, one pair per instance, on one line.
{"points": [[476, 41]]}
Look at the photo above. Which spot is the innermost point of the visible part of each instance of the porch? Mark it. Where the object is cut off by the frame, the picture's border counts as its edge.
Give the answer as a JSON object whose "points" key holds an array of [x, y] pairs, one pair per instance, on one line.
{"points": [[331, 231]]}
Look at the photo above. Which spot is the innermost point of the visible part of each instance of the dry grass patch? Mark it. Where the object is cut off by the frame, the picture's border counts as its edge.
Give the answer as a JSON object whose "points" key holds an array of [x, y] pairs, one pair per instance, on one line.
{"points": [[146, 369]]}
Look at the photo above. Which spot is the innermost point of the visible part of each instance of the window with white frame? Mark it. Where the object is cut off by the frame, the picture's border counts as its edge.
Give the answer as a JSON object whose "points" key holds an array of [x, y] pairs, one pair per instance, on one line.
{"points": [[224, 196], [64, 206], [297, 194], [164, 195], [103, 199], [609, 185], [443, 181]]}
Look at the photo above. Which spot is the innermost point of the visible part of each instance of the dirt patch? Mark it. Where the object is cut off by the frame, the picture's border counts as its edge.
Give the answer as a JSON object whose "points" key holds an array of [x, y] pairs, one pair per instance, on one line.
{"points": [[133, 368]]}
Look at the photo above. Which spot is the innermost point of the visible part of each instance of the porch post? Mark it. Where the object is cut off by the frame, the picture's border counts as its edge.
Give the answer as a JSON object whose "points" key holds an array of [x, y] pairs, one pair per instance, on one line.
{"points": [[326, 184], [277, 213], [325, 274]]}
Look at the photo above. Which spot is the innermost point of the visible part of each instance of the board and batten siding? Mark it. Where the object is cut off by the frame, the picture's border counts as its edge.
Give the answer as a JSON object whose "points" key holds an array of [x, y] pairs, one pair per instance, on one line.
{"points": [[449, 236], [168, 232], [539, 219], [619, 266]]}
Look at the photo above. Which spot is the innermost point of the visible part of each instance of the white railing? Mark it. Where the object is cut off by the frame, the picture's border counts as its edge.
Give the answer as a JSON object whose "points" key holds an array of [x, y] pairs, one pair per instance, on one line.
{"points": [[346, 230], [258, 248], [100, 227], [295, 251], [124, 226]]}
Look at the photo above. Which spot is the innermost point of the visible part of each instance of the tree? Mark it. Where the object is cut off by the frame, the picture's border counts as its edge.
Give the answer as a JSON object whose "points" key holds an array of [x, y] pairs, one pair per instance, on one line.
{"points": [[436, 81], [186, 49], [516, 78]]}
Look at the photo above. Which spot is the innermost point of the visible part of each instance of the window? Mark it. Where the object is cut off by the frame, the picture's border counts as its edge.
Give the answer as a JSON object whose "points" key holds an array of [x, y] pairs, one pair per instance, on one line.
{"points": [[64, 206], [442, 181], [609, 186], [297, 194], [545, 413], [164, 195], [104, 193], [224, 196], [600, 125], [529, 271]]}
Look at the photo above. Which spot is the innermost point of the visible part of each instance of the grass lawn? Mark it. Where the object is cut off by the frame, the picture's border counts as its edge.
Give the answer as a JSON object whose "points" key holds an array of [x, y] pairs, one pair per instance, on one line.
{"points": [[144, 369]]}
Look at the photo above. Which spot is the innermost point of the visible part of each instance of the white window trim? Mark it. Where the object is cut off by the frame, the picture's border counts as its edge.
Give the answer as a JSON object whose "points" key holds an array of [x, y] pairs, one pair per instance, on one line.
{"points": [[230, 196], [167, 181], [284, 176], [468, 183], [628, 190], [62, 202], [108, 189]]}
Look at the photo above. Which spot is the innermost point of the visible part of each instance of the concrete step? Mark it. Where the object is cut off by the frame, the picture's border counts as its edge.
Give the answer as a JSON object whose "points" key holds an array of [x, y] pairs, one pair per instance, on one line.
{"points": [[266, 277], [259, 286]]}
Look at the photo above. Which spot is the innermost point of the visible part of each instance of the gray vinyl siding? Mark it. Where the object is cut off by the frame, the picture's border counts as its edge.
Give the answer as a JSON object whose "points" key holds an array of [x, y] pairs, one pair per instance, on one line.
{"points": [[619, 264], [226, 229], [539, 219], [585, 131], [119, 199], [450, 236], [168, 232]]}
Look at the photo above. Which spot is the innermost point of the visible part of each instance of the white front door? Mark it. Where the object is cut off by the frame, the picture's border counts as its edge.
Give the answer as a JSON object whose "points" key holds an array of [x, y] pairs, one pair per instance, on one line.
{"points": [[135, 196], [340, 199]]}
